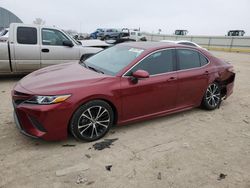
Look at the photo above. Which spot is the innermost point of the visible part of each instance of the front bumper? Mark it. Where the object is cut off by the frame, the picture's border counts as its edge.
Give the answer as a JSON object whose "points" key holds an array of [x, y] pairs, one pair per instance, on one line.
{"points": [[49, 122], [19, 126]]}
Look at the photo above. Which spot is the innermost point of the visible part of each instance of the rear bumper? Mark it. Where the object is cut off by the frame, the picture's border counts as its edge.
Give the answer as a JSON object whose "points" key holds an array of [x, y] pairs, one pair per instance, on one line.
{"points": [[230, 85], [229, 89]]}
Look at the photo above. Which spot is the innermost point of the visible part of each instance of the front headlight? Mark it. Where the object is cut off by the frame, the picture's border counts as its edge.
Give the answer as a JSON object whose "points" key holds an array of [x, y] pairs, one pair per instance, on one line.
{"points": [[47, 99]]}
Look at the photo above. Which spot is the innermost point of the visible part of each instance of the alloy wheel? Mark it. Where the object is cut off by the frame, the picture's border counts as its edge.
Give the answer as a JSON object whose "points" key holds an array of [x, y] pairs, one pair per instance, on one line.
{"points": [[93, 122], [213, 95]]}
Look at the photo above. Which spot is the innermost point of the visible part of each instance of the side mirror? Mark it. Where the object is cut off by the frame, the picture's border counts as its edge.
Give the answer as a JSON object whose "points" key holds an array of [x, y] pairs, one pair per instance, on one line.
{"points": [[79, 42], [68, 43], [139, 74]]}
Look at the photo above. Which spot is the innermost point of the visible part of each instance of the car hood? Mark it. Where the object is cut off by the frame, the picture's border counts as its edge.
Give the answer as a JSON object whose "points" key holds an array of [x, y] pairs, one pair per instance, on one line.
{"points": [[59, 79]]}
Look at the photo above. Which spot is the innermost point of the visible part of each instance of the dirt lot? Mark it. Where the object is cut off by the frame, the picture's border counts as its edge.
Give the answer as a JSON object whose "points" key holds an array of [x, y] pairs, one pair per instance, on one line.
{"points": [[190, 149]]}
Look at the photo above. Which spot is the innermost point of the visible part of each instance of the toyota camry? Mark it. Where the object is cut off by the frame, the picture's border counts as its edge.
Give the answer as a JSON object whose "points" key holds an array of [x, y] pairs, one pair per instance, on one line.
{"points": [[126, 83]]}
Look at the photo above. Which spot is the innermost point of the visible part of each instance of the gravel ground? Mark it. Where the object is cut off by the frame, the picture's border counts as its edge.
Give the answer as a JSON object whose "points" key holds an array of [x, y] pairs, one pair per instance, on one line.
{"points": [[195, 148]]}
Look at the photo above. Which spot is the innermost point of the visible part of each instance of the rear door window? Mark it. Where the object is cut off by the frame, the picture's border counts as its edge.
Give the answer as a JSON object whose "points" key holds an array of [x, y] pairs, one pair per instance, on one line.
{"points": [[203, 60], [188, 59], [27, 35]]}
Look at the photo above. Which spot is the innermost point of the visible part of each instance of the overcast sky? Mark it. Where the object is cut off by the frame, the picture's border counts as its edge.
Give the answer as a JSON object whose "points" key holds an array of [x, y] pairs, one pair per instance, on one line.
{"points": [[200, 17]]}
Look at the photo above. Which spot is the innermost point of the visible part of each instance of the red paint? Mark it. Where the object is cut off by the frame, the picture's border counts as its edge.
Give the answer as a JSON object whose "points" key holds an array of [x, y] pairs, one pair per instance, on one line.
{"points": [[150, 97], [141, 74]]}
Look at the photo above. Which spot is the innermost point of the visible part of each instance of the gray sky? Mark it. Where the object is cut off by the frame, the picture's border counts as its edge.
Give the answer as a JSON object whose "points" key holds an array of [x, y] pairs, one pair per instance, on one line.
{"points": [[200, 17]]}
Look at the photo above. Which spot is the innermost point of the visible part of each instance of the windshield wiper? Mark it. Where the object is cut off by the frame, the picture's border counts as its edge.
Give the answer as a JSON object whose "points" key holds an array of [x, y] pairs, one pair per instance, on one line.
{"points": [[94, 69], [84, 64], [88, 67]]}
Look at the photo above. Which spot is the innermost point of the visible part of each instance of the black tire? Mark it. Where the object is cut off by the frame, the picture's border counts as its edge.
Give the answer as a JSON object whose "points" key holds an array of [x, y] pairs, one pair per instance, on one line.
{"points": [[106, 37], [92, 121], [212, 97], [119, 36]]}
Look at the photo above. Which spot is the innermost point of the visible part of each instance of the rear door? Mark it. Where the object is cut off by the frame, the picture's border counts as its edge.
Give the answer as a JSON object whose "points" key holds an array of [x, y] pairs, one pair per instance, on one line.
{"points": [[52, 49], [193, 74], [26, 49], [154, 94]]}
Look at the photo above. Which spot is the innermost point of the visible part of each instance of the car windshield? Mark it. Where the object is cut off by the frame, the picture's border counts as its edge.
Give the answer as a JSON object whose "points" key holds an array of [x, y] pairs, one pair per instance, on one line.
{"points": [[100, 30], [75, 41], [113, 60]]}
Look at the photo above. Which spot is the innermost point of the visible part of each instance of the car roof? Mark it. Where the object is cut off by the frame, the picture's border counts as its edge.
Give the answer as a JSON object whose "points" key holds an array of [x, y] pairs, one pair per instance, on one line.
{"points": [[150, 45], [185, 41]]}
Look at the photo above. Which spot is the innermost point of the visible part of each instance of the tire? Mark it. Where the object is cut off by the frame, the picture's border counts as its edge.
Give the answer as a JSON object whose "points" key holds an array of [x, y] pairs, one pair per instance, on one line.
{"points": [[119, 36], [85, 124], [212, 97], [106, 37]]}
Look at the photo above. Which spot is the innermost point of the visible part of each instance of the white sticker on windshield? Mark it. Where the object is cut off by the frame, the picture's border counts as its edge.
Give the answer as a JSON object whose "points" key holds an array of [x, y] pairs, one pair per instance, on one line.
{"points": [[136, 50]]}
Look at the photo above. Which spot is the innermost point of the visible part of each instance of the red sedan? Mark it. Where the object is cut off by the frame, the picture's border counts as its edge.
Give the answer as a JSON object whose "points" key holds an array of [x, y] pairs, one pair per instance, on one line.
{"points": [[123, 84]]}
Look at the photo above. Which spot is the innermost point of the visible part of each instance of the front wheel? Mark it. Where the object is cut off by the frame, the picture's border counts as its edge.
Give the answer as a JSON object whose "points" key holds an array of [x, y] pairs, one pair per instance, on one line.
{"points": [[212, 97], [92, 121]]}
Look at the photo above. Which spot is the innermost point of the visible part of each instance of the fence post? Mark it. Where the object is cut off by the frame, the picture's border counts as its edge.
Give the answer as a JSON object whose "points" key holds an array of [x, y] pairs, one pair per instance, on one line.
{"points": [[231, 44], [209, 42]]}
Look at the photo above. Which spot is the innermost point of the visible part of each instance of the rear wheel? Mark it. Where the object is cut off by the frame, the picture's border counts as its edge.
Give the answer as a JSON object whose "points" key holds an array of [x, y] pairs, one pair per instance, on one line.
{"points": [[212, 97], [106, 37], [92, 121]]}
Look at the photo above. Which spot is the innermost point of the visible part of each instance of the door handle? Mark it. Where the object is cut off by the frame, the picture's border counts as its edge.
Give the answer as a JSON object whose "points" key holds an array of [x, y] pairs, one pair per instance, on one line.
{"points": [[46, 50], [171, 79]]}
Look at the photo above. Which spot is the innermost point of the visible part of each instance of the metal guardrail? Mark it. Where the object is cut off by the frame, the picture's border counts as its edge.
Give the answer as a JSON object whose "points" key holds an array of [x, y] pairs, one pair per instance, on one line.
{"points": [[222, 43]]}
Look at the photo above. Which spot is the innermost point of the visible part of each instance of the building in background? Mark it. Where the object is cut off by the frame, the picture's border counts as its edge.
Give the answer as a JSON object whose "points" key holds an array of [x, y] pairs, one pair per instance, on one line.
{"points": [[7, 17]]}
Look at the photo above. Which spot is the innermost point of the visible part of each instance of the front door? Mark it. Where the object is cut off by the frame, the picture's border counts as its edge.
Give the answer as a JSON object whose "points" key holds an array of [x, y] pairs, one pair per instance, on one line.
{"points": [[52, 49], [154, 94]]}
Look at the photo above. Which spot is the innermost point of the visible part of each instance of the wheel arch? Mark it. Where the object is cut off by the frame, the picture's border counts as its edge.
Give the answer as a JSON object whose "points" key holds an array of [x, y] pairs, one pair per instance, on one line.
{"points": [[102, 98], [113, 108]]}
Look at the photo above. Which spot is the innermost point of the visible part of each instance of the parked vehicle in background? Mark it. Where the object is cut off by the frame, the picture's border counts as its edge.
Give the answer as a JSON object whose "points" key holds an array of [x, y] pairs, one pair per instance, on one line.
{"points": [[109, 34], [116, 34], [181, 32], [4, 35], [81, 36], [96, 33], [126, 83], [95, 43], [184, 42], [134, 35], [31, 47], [236, 33]]}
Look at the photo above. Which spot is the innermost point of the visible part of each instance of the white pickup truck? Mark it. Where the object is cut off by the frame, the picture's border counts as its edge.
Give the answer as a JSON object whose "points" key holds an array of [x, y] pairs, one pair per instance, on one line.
{"points": [[31, 47]]}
